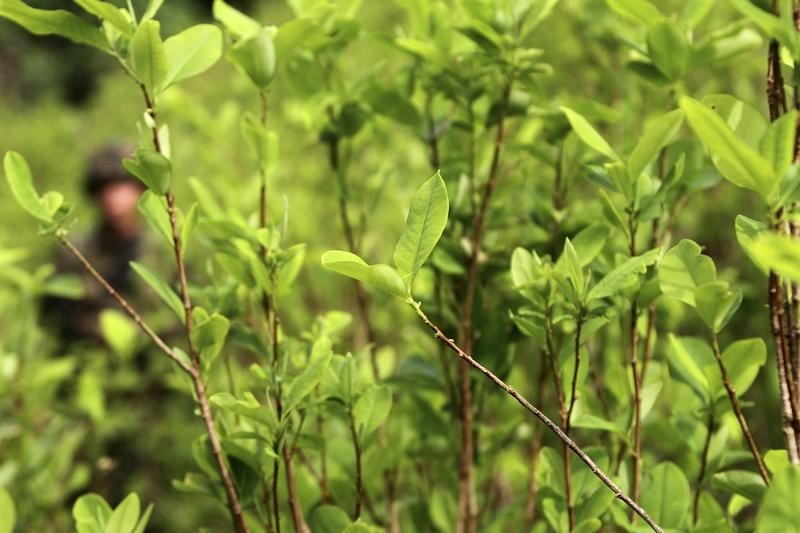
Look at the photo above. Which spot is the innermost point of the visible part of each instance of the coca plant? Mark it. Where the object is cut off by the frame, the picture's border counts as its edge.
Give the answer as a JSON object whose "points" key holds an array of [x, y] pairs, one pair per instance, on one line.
{"points": [[539, 262]]}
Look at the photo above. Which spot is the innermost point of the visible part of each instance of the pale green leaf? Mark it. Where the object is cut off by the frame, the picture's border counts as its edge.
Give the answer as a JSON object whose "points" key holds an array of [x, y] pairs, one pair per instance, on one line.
{"points": [[161, 288], [53, 22], [255, 55], [624, 276], [234, 20], [19, 178], [588, 134], [779, 253], [667, 497], [8, 512], [125, 516], [683, 269], [109, 12], [426, 221], [148, 57], [191, 52], [371, 409], [657, 135], [304, 384]]}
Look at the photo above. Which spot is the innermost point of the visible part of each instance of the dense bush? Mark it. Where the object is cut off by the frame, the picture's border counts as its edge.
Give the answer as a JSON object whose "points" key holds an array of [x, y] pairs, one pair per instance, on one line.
{"points": [[570, 175]]}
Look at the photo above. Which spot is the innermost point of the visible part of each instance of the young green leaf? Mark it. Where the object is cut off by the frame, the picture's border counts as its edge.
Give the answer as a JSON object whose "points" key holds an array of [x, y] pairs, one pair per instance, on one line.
{"points": [[8, 512], [18, 175], [234, 20], [209, 337], [669, 49], [108, 12], [191, 52], [152, 8], [148, 57], [426, 221], [748, 231], [779, 253], [773, 26], [381, 277], [624, 276], [687, 357], [302, 386], [683, 269], [735, 160], [54, 22], [778, 512], [90, 511], [161, 288], [743, 359], [371, 409], [742, 482], [777, 144], [255, 55], [716, 304], [152, 168], [153, 210], [667, 497], [125, 516], [588, 134], [641, 11], [657, 135]]}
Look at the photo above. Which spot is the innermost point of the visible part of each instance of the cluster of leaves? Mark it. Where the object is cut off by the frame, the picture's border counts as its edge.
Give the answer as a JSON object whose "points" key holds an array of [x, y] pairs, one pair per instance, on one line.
{"points": [[307, 425]]}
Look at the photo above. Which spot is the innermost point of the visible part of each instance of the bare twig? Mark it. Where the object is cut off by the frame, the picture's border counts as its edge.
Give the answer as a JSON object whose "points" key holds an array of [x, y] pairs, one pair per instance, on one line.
{"points": [[541, 416], [703, 466], [467, 511], [737, 409], [568, 421]]}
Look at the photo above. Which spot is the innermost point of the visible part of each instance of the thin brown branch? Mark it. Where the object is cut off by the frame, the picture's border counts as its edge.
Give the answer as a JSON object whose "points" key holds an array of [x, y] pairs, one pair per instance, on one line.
{"points": [[703, 466], [467, 510], [62, 236], [300, 525], [234, 505], [568, 422], [737, 409], [359, 473], [552, 426], [788, 401]]}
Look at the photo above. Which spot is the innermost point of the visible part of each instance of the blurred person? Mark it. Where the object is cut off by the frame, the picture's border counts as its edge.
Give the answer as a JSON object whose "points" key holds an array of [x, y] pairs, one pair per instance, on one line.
{"points": [[110, 247]]}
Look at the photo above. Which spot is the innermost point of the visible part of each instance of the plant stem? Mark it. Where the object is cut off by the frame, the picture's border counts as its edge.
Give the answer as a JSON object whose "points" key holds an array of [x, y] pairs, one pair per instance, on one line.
{"points": [[703, 466], [276, 466], [535, 447], [466, 499], [359, 474], [737, 409], [568, 421], [596, 470]]}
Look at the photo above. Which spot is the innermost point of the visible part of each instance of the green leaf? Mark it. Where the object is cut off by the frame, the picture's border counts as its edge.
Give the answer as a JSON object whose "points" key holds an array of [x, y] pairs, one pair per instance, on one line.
{"points": [[8, 513], [522, 267], [381, 277], [748, 231], [780, 253], [426, 221], [742, 482], [152, 168], [125, 516], [683, 269], [256, 57], [777, 144], [776, 460], [778, 512], [667, 497], [119, 332], [657, 135], [161, 288], [148, 57], [304, 384], [716, 304], [209, 338], [18, 174], [624, 276], [744, 119], [783, 30], [154, 210], [152, 8], [53, 22], [140, 526], [572, 267], [191, 52], [328, 519], [188, 225], [264, 143], [91, 512], [234, 20], [668, 49], [684, 356], [371, 409], [588, 134], [109, 12], [641, 11], [743, 359], [735, 160]]}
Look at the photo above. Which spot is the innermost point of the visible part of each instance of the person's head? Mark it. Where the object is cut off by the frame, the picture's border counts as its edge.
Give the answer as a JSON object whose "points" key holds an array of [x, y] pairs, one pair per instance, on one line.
{"points": [[115, 191]]}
